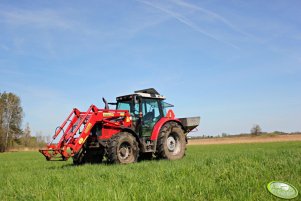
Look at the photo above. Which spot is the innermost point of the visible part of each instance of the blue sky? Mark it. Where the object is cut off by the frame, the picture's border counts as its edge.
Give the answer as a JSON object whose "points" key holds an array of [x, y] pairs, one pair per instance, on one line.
{"points": [[234, 63]]}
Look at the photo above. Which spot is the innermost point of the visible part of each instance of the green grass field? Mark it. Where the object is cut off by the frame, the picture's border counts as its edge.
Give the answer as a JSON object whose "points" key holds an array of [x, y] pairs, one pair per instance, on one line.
{"points": [[209, 172]]}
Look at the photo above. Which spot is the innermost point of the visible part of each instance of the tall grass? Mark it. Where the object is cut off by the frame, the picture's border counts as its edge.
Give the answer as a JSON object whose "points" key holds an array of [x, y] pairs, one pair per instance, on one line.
{"points": [[208, 172]]}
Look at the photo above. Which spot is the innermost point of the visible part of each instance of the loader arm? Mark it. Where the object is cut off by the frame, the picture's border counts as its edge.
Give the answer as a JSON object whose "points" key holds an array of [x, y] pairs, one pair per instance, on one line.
{"points": [[53, 149], [72, 139], [67, 135]]}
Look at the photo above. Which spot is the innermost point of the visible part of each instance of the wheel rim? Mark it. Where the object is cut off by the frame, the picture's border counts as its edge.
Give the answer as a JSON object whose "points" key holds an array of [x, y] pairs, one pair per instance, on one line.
{"points": [[173, 144], [125, 151]]}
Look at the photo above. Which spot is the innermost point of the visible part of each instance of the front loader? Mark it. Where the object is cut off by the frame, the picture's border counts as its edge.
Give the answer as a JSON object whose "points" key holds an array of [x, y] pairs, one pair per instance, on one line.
{"points": [[141, 126]]}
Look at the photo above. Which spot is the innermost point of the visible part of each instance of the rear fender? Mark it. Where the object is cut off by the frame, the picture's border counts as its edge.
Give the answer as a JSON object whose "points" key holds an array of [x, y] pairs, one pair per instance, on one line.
{"points": [[160, 123]]}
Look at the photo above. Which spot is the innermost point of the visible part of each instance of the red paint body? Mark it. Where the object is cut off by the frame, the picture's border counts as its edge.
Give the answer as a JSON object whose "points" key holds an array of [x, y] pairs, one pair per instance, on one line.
{"points": [[159, 125], [112, 121]]}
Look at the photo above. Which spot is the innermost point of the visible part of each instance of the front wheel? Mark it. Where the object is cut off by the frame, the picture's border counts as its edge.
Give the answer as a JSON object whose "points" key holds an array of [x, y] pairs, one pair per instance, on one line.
{"points": [[171, 142], [123, 148]]}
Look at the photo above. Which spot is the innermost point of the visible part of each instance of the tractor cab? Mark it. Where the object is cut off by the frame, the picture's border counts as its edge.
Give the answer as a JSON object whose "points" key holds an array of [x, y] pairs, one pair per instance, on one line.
{"points": [[146, 107]]}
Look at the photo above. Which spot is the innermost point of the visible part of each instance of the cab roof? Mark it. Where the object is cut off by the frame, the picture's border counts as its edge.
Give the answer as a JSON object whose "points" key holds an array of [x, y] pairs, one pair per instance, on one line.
{"points": [[146, 93]]}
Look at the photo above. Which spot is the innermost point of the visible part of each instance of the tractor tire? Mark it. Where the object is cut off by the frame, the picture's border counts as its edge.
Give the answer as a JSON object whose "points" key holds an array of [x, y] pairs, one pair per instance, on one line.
{"points": [[171, 142], [122, 149], [79, 157]]}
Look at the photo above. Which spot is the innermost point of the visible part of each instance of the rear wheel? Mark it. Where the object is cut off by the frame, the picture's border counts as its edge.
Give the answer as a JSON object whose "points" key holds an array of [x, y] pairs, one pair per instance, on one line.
{"points": [[123, 148], [171, 142]]}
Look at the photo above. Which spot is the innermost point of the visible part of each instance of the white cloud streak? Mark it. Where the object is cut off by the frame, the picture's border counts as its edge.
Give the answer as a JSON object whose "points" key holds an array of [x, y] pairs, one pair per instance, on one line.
{"points": [[39, 18], [210, 14], [187, 22]]}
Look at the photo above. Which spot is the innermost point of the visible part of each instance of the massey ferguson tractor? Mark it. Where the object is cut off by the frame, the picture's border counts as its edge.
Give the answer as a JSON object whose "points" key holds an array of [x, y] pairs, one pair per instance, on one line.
{"points": [[141, 126]]}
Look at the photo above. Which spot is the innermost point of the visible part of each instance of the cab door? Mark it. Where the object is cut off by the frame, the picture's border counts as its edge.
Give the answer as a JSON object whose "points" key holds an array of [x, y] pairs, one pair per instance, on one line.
{"points": [[151, 114]]}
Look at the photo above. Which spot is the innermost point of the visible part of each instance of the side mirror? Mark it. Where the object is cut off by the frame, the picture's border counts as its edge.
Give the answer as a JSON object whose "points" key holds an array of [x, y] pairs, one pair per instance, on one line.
{"points": [[135, 100]]}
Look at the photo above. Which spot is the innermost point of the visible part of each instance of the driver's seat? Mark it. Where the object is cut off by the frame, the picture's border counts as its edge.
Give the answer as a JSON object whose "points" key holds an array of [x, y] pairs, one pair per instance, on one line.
{"points": [[149, 116]]}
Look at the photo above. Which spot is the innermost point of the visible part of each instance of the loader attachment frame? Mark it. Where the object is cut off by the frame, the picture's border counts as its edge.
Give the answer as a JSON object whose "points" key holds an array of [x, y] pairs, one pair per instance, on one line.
{"points": [[72, 139], [67, 131]]}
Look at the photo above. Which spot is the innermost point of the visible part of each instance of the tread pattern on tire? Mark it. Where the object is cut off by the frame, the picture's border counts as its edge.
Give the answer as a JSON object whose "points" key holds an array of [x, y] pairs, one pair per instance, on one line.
{"points": [[161, 142], [113, 143]]}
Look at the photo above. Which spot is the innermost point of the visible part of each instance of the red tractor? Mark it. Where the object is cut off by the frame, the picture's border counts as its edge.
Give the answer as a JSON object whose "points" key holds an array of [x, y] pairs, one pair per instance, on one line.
{"points": [[140, 127]]}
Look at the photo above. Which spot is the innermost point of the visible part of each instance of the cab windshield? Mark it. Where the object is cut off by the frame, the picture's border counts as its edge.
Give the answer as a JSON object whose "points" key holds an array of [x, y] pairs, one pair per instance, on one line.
{"points": [[124, 105], [128, 105]]}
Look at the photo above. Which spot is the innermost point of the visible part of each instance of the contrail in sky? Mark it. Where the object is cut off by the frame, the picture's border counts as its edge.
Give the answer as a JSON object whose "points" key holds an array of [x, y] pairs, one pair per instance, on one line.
{"points": [[211, 14], [187, 22]]}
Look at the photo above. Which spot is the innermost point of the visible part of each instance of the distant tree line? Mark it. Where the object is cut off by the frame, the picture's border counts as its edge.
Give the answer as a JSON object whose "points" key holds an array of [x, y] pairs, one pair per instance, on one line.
{"points": [[11, 133], [254, 131]]}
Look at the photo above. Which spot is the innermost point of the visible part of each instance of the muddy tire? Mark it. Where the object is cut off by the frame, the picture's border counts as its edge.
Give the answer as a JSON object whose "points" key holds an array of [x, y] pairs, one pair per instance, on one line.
{"points": [[171, 142], [123, 148]]}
